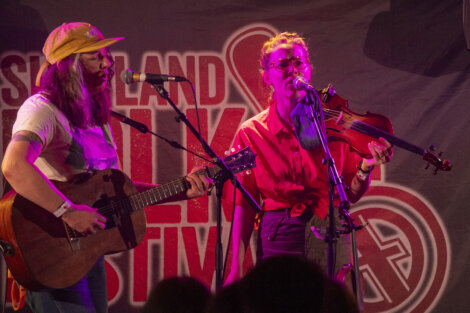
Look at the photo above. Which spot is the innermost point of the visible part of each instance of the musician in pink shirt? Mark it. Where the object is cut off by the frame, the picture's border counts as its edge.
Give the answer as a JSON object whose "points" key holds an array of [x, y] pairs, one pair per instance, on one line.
{"points": [[290, 182]]}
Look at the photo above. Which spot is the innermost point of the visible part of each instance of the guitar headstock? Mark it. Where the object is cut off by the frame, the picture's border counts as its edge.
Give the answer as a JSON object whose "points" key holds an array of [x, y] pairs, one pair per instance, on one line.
{"points": [[241, 161], [436, 161]]}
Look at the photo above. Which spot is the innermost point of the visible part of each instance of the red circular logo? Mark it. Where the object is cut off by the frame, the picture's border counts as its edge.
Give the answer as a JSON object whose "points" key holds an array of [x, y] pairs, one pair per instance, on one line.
{"points": [[404, 255]]}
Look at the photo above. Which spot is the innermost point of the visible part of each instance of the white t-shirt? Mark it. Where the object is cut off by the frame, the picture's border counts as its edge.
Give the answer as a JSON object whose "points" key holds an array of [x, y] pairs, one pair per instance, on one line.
{"points": [[66, 151]]}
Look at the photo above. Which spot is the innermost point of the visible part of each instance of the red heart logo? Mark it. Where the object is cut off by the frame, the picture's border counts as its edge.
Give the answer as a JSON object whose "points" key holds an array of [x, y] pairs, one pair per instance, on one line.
{"points": [[242, 54]]}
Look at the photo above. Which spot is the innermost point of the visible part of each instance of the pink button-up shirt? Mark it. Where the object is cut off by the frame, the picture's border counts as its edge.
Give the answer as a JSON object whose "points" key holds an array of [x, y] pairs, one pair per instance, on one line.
{"points": [[286, 175]]}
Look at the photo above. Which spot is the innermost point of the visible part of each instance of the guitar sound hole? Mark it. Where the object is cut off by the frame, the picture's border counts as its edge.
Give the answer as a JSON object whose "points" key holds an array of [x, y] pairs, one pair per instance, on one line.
{"points": [[116, 211]]}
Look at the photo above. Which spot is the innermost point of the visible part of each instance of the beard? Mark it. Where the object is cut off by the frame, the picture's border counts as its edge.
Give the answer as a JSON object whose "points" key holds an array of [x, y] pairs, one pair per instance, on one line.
{"points": [[100, 107]]}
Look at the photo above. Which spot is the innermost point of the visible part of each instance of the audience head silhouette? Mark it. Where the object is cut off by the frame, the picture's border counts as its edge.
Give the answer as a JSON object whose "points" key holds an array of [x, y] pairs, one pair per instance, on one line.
{"points": [[284, 284], [178, 295]]}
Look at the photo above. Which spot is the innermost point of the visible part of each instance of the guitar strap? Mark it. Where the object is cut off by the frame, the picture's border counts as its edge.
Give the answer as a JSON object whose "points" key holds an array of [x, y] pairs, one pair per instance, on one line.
{"points": [[6, 187], [17, 292]]}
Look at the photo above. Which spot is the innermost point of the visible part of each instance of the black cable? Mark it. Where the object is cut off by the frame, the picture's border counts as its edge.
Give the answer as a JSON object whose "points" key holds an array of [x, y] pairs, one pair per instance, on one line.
{"points": [[196, 107], [230, 232]]}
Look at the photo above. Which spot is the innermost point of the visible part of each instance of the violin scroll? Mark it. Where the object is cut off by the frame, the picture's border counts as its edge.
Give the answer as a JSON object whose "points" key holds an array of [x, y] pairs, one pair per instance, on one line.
{"points": [[436, 161]]}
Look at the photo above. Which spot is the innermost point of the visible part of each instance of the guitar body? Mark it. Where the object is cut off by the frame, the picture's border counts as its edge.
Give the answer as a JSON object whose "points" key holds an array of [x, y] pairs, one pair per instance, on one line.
{"points": [[47, 253]]}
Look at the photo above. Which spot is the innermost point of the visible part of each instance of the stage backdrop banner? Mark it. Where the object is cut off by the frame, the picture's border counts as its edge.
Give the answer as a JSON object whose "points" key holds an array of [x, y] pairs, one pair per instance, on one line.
{"points": [[407, 60]]}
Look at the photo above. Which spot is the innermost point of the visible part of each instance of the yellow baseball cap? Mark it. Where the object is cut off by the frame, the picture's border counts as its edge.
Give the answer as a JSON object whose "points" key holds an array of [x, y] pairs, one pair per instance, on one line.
{"points": [[71, 38]]}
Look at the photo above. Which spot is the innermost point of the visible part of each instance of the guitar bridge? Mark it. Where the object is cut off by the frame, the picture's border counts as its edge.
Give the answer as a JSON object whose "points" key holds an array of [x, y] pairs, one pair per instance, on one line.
{"points": [[75, 244], [72, 237]]}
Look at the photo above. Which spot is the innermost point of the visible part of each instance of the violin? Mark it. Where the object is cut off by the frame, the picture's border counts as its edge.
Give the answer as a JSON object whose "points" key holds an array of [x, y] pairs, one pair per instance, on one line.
{"points": [[357, 130]]}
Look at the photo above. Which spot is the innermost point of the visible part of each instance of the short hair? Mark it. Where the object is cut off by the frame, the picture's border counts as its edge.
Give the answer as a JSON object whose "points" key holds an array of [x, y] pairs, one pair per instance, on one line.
{"points": [[274, 42]]}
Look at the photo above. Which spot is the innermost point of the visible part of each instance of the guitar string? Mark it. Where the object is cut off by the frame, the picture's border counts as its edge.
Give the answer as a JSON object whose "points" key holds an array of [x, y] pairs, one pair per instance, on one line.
{"points": [[140, 200], [154, 195]]}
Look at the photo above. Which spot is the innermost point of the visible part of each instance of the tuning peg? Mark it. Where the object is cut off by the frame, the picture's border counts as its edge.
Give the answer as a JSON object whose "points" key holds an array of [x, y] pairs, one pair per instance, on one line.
{"points": [[248, 172], [239, 147], [227, 153], [232, 150]]}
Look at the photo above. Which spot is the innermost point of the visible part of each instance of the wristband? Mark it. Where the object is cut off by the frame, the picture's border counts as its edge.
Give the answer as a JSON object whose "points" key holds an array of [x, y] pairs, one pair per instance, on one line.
{"points": [[362, 176], [62, 209], [359, 167]]}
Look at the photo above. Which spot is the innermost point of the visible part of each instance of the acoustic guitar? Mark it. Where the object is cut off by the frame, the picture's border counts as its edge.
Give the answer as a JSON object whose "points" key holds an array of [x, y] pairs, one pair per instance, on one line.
{"points": [[44, 252]]}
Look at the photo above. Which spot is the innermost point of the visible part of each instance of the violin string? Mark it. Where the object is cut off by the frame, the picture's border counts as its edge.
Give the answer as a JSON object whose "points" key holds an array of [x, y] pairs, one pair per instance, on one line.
{"points": [[335, 114], [358, 125], [354, 124], [373, 131]]}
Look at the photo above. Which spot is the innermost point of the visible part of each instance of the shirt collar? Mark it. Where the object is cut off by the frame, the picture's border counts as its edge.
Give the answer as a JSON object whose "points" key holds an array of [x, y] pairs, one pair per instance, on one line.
{"points": [[274, 122]]}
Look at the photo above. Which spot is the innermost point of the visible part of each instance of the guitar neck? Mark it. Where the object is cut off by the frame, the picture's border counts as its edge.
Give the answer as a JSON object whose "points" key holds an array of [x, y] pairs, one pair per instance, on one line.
{"points": [[161, 192], [237, 162], [377, 133]]}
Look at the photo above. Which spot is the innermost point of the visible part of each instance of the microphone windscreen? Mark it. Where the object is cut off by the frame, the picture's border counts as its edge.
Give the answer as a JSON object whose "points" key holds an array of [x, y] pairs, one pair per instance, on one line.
{"points": [[126, 76]]}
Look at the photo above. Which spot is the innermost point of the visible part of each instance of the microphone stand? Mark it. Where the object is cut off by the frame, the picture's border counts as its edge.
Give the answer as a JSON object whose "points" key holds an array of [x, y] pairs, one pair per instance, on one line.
{"points": [[6, 248], [335, 182], [225, 173]]}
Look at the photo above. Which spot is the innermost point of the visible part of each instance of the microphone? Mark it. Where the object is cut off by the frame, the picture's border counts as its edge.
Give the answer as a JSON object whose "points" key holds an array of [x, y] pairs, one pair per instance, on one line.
{"points": [[301, 83], [128, 77], [124, 119]]}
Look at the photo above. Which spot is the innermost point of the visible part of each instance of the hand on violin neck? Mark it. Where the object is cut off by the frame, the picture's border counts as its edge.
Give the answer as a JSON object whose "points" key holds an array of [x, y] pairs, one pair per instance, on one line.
{"points": [[381, 151]]}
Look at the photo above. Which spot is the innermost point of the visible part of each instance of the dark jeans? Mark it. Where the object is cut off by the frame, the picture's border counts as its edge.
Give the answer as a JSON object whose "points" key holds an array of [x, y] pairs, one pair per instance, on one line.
{"points": [[89, 295], [281, 234]]}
